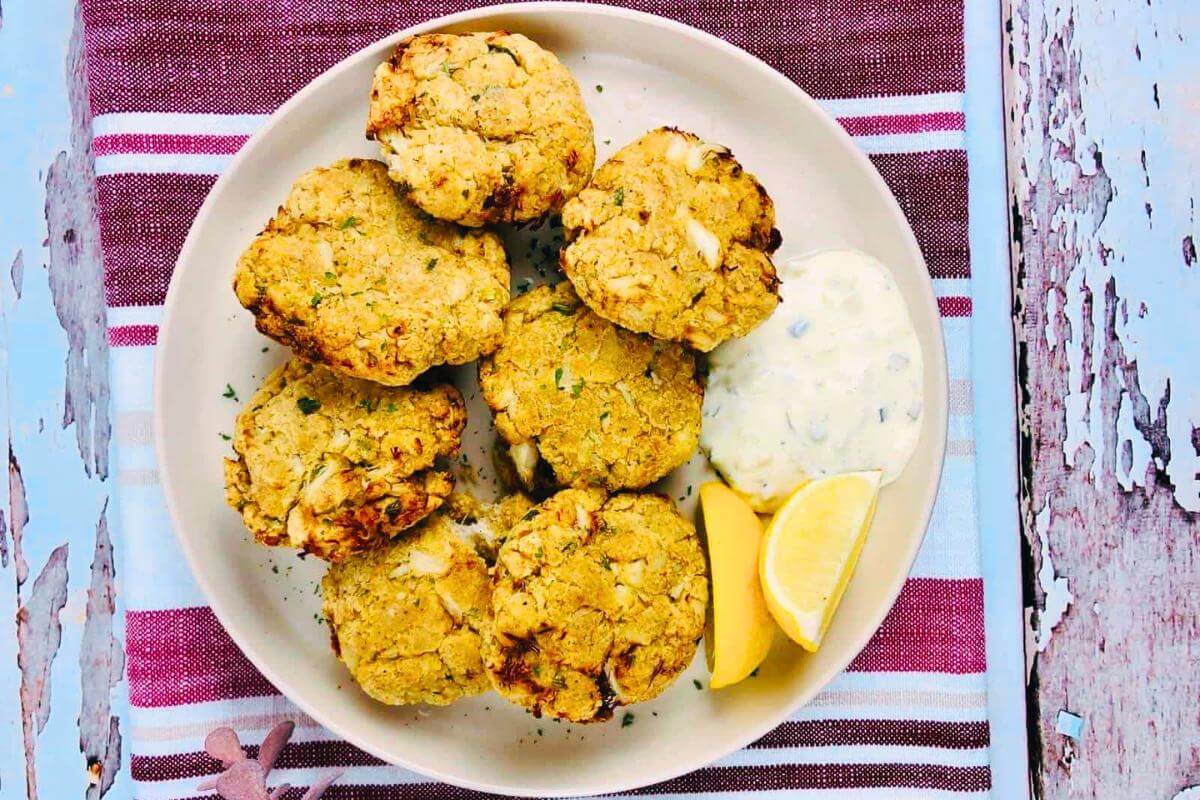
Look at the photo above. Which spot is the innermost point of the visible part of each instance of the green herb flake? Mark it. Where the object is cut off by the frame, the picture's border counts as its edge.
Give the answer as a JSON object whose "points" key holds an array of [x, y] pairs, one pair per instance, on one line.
{"points": [[316, 300], [348, 222], [754, 674], [368, 404], [696, 683], [562, 308], [431, 264], [391, 407], [618, 197], [608, 141], [604, 415], [558, 373], [599, 88], [307, 405], [229, 393], [606, 562], [225, 436], [627, 720], [530, 514], [577, 389]]}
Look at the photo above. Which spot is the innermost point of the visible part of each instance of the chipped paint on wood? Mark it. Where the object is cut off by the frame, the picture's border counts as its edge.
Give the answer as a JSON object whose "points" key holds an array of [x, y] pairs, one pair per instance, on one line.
{"points": [[54, 415], [76, 274], [1101, 100], [17, 273], [18, 516], [101, 663], [39, 633]]}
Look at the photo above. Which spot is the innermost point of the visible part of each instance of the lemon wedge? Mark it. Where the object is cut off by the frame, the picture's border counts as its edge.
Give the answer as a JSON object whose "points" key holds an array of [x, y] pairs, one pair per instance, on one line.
{"points": [[810, 549], [740, 629]]}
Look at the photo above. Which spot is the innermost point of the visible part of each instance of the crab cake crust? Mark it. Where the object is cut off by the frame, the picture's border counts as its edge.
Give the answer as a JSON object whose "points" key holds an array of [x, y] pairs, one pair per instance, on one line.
{"points": [[334, 465], [598, 601], [602, 406], [407, 619], [672, 238], [350, 275], [481, 127]]}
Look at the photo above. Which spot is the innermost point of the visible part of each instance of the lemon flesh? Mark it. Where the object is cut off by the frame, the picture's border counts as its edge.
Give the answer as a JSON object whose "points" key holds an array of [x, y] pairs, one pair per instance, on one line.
{"points": [[740, 628], [810, 549]]}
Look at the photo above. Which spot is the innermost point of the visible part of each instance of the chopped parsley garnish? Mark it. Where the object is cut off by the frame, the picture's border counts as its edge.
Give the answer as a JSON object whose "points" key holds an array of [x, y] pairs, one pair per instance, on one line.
{"points": [[619, 196], [307, 405], [577, 389], [475, 98], [599, 88], [391, 406], [562, 308], [348, 222], [330, 276], [558, 373], [430, 264], [606, 562], [608, 141], [230, 393], [367, 404], [225, 436], [696, 683], [627, 720], [603, 416], [530, 514]]}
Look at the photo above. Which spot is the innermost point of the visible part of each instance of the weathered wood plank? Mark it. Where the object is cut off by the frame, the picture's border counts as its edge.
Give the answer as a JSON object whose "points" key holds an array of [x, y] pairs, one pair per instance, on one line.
{"points": [[62, 662], [1103, 172]]}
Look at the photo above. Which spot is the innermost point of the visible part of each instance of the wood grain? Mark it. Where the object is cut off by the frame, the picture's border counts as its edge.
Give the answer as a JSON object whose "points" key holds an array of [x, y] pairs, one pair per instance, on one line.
{"points": [[1103, 199]]}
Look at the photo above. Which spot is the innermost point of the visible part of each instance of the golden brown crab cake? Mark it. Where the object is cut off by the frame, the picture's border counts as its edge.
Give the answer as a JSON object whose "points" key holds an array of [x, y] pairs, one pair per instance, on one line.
{"points": [[408, 618], [673, 238], [481, 127], [601, 405], [335, 465], [598, 601], [351, 275]]}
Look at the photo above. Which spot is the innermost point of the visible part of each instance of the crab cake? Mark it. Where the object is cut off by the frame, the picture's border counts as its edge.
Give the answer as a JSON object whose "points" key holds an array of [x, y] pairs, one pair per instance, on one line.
{"points": [[601, 405], [673, 238], [598, 601], [334, 465], [350, 275], [407, 618], [481, 127]]}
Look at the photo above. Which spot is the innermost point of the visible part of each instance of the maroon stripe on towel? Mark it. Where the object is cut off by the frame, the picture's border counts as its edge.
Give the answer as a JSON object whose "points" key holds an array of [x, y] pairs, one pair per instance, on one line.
{"points": [[143, 222], [936, 625], [932, 191], [175, 55], [775, 777], [894, 732]]}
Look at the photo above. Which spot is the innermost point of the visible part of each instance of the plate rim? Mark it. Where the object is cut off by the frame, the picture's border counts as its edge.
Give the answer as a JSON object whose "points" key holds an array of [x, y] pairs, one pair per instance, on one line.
{"points": [[933, 361]]}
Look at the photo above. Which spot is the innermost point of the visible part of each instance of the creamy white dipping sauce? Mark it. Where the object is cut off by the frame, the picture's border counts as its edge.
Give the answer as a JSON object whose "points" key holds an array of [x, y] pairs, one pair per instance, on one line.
{"points": [[832, 382]]}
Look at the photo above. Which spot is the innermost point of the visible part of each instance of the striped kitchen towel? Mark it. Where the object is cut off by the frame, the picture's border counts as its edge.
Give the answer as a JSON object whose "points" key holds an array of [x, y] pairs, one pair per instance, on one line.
{"points": [[176, 87]]}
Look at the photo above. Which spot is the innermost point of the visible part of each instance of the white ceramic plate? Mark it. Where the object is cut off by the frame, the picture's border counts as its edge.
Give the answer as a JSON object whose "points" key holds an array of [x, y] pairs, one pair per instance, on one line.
{"points": [[653, 72]]}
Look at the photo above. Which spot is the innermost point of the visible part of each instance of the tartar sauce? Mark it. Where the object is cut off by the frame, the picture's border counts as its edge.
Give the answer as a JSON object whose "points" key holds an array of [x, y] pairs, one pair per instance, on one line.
{"points": [[831, 382]]}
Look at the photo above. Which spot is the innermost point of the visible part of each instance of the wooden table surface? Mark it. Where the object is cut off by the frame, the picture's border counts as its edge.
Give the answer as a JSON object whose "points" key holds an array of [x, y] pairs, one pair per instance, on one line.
{"points": [[1099, 104]]}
